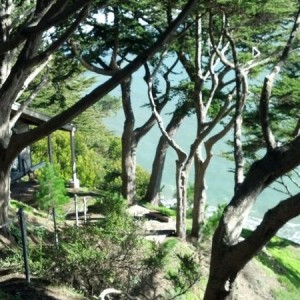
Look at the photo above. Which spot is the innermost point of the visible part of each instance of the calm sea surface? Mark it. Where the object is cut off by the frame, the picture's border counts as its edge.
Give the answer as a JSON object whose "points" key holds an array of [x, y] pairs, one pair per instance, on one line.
{"points": [[219, 176]]}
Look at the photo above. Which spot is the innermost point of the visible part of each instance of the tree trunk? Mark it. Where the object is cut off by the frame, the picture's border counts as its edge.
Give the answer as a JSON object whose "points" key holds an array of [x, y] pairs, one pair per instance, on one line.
{"points": [[153, 190], [128, 146], [128, 170], [4, 197], [200, 196], [238, 124], [181, 185], [229, 255], [154, 186], [201, 166]]}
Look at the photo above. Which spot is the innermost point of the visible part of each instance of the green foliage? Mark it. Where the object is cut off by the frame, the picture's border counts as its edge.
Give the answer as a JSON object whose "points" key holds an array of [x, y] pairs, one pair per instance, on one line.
{"points": [[281, 257], [91, 160], [112, 180], [96, 256], [52, 191], [286, 257], [92, 139], [190, 195], [187, 274], [12, 258], [142, 181], [212, 222], [109, 253], [158, 254], [169, 212], [61, 153], [15, 231], [181, 267]]}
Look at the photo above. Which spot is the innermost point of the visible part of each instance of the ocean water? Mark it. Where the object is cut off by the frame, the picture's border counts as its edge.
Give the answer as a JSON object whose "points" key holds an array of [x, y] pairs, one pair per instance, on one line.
{"points": [[220, 173]]}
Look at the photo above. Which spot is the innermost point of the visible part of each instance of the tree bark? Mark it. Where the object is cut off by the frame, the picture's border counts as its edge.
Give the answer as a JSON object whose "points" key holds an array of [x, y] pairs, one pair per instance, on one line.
{"points": [[201, 165], [181, 189], [154, 186], [200, 195], [4, 196], [128, 146], [229, 255]]}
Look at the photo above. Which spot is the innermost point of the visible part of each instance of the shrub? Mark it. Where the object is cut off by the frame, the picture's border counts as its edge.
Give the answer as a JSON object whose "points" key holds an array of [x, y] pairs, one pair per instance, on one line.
{"points": [[94, 257], [52, 191], [212, 222], [142, 181]]}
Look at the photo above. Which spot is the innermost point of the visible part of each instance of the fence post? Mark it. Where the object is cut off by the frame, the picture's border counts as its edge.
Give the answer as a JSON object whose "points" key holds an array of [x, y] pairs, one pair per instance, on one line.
{"points": [[24, 243], [84, 209], [76, 210], [55, 227]]}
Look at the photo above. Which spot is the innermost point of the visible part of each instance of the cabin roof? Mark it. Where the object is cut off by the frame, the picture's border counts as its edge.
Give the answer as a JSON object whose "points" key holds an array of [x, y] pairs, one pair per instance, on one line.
{"points": [[35, 118]]}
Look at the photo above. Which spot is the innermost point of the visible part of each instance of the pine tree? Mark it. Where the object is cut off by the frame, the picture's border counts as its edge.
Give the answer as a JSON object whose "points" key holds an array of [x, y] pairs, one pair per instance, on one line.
{"points": [[52, 190]]}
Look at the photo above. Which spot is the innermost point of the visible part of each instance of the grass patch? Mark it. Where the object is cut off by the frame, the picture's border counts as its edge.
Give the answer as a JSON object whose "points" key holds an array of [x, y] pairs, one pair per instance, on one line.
{"points": [[16, 205], [283, 259], [288, 262], [181, 267], [165, 211]]}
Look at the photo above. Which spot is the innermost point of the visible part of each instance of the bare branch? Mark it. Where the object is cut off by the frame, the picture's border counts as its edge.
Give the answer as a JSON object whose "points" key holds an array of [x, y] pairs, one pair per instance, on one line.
{"points": [[221, 54], [241, 83], [181, 154], [297, 128], [268, 84], [56, 44], [223, 111], [215, 84], [218, 136], [94, 96], [273, 220], [51, 17], [142, 130], [285, 186], [86, 64], [32, 76], [25, 104], [110, 291]]}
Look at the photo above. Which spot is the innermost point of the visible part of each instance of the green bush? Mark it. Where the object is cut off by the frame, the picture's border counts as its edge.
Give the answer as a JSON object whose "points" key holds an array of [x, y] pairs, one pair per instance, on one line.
{"points": [[212, 222], [142, 181], [112, 181], [94, 257], [52, 191]]}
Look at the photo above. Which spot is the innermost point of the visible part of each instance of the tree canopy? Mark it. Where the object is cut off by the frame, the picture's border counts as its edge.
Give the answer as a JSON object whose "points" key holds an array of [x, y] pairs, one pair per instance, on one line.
{"points": [[241, 71]]}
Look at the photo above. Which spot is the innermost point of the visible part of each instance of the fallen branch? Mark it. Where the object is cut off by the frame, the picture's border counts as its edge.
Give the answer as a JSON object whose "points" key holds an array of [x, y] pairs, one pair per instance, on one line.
{"points": [[109, 291]]}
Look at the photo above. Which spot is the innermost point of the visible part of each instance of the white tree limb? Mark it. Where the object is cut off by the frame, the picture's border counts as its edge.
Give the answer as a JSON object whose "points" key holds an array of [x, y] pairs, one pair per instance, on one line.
{"points": [[110, 291], [268, 85], [32, 76]]}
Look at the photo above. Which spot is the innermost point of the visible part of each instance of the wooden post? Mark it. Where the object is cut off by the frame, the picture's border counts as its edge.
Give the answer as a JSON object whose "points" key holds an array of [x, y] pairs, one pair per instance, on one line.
{"points": [[55, 227], [76, 210], [73, 159], [84, 209], [24, 243], [50, 149]]}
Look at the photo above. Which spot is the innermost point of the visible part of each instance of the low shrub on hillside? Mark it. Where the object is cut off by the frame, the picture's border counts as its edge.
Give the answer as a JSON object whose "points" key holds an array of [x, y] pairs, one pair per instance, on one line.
{"points": [[91, 258], [111, 253]]}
